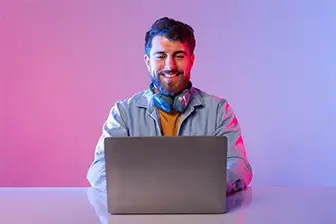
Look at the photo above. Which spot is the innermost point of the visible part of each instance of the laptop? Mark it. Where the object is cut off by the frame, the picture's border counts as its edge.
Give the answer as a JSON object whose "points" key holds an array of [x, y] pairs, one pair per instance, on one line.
{"points": [[166, 175]]}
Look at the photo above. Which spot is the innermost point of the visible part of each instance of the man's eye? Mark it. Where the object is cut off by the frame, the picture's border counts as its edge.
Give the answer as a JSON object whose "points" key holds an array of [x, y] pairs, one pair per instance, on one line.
{"points": [[159, 57], [180, 56]]}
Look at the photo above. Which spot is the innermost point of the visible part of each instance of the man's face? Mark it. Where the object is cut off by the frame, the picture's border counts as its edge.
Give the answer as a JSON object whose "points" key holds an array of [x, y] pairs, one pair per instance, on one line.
{"points": [[169, 64]]}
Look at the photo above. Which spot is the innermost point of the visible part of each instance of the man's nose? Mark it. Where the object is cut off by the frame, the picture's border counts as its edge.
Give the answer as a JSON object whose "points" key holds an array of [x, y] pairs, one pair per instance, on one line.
{"points": [[170, 63]]}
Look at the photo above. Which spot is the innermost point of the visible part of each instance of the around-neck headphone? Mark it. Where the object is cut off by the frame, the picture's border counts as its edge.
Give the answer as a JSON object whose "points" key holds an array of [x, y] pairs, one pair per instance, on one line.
{"points": [[167, 103]]}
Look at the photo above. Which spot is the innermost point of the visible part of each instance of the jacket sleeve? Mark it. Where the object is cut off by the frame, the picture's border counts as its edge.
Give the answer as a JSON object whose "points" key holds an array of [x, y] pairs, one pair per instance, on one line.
{"points": [[113, 126], [239, 171]]}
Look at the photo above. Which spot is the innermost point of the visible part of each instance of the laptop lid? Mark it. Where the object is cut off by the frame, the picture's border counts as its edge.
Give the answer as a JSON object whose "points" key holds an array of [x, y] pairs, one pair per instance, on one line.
{"points": [[182, 174]]}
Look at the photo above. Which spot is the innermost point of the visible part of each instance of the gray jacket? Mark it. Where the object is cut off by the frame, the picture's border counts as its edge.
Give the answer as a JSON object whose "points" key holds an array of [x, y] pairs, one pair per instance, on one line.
{"points": [[206, 115]]}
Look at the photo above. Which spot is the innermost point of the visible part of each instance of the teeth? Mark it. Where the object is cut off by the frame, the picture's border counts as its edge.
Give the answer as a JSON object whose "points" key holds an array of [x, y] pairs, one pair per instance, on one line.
{"points": [[170, 76]]}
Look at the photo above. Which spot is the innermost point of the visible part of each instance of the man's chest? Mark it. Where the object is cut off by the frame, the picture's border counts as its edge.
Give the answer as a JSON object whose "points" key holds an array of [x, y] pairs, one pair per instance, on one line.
{"points": [[195, 124]]}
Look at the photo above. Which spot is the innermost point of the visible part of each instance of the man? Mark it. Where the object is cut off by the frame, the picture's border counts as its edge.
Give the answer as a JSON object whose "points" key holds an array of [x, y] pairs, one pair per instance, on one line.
{"points": [[172, 106]]}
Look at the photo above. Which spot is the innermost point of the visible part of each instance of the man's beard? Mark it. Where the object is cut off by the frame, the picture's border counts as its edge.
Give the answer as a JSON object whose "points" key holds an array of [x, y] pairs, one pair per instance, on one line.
{"points": [[171, 88]]}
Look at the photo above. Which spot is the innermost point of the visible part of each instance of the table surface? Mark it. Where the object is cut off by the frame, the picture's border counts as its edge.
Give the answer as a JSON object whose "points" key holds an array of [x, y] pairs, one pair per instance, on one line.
{"points": [[86, 205]]}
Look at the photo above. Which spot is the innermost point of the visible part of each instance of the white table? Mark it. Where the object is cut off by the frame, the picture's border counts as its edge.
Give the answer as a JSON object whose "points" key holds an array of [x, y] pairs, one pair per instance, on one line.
{"points": [[85, 205]]}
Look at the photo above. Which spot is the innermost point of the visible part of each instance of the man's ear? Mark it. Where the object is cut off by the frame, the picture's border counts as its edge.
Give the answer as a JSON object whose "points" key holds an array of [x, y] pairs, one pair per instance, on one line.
{"points": [[147, 61], [192, 60]]}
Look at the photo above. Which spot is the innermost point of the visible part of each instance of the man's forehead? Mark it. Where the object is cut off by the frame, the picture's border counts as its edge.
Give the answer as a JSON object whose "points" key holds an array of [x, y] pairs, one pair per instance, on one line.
{"points": [[162, 44]]}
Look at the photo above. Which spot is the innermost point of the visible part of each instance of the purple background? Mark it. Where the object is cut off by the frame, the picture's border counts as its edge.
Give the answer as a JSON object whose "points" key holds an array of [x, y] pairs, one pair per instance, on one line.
{"points": [[63, 64]]}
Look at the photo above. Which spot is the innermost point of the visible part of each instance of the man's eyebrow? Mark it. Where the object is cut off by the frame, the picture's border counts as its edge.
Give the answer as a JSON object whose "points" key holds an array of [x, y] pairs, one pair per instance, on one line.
{"points": [[176, 52], [180, 52], [159, 52]]}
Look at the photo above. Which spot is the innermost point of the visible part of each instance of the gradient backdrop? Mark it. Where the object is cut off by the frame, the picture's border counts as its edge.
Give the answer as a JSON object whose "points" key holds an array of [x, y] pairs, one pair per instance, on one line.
{"points": [[63, 64]]}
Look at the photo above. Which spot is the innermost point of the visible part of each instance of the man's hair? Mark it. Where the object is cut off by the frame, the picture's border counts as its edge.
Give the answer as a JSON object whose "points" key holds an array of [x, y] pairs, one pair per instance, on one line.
{"points": [[172, 30]]}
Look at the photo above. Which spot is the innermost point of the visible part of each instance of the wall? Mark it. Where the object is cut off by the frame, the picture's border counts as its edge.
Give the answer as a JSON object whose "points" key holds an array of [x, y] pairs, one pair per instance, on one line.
{"points": [[64, 63]]}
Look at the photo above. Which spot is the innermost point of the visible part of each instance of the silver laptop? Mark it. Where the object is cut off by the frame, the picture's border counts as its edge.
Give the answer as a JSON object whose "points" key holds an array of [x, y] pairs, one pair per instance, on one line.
{"points": [[166, 175]]}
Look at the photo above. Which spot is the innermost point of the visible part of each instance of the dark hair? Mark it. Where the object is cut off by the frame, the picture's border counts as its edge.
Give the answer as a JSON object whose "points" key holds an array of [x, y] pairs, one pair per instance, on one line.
{"points": [[172, 30]]}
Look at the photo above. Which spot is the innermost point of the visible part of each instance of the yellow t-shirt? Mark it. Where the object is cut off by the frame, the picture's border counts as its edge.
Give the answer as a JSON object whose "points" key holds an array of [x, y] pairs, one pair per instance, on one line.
{"points": [[169, 122]]}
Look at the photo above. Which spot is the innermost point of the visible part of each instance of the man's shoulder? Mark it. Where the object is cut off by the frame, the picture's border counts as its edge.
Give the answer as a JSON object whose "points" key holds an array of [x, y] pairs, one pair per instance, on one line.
{"points": [[215, 104], [137, 98], [210, 99]]}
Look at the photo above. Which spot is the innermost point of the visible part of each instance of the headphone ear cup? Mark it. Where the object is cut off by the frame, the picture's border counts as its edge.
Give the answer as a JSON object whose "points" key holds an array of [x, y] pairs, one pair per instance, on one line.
{"points": [[163, 102], [181, 101]]}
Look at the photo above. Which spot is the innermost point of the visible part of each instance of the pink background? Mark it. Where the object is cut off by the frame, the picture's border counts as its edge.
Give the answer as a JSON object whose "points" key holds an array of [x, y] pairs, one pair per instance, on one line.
{"points": [[63, 64]]}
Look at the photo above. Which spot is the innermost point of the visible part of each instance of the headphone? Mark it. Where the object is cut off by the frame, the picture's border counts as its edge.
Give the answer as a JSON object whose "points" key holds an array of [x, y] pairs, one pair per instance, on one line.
{"points": [[167, 103]]}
